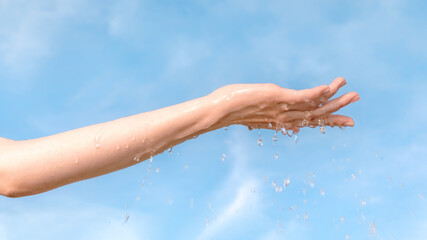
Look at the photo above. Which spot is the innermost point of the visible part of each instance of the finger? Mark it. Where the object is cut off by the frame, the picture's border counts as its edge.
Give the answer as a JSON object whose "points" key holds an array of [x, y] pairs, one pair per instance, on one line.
{"points": [[330, 107], [336, 84], [330, 120], [310, 98], [336, 104]]}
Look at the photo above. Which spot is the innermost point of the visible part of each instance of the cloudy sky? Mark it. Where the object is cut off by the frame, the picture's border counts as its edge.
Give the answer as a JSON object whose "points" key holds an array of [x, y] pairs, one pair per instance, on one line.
{"points": [[68, 64]]}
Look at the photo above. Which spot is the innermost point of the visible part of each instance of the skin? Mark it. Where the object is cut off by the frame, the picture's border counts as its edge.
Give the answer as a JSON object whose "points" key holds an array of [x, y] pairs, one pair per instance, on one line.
{"points": [[39, 165]]}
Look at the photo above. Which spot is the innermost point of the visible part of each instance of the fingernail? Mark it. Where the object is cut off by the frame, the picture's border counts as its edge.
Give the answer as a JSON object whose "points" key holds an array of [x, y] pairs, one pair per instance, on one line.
{"points": [[355, 99], [343, 83], [349, 123]]}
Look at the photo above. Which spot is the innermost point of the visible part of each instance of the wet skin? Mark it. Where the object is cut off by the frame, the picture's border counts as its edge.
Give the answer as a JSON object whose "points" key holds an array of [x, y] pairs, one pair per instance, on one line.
{"points": [[38, 165]]}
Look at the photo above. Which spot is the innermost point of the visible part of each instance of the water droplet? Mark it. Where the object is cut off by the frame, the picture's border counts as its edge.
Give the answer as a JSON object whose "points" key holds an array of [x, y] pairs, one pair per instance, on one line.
{"points": [[373, 229], [341, 127], [322, 126], [333, 147], [170, 150], [118, 147], [191, 202], [127, 218], [207, 221], [273, 183], [133, 138], [347, 237], [304, 191], [296, 138], [323, 129], [151, 159], [304, 123], [148, 169], [290, 209], [353, 176], [260, 142], [342, 219], [363, 202], [287, 182], [136, 158], [225, 128], [170, 201], [127, 147], [264, 179], [283, 131], [420, 196], [186, 167], [322, 192], [76, 160], [279, 189], [276, 156], [290, 133], [97, 145], [305, 216], [223, 157], [253, 189], [275, 137], [311, 183], [157, 170]]}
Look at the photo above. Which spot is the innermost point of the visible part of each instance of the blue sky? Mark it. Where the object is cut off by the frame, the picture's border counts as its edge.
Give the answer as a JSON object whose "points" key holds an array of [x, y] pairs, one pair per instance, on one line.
{"points": [[68, 64]]}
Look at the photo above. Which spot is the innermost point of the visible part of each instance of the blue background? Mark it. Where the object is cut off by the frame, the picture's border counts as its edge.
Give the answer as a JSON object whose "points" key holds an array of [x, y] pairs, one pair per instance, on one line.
{"points": [[68, 64]]}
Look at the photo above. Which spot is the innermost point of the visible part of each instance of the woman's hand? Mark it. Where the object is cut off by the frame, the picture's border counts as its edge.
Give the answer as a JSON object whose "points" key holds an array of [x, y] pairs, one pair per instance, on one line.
{"points": [[273, 107]]}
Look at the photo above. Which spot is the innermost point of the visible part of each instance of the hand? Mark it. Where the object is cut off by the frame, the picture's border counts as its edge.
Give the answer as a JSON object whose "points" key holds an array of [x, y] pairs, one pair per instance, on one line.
{"points": [[272, 107]]}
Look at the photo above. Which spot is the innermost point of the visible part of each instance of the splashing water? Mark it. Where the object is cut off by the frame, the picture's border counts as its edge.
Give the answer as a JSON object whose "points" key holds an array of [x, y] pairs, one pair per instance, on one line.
{"points": [[363, 202], [279, 189], [273, 183], [322, 126], [322, 192], [259, 141], [276, 156], [275, 137], [223, 157], [287, 181]]}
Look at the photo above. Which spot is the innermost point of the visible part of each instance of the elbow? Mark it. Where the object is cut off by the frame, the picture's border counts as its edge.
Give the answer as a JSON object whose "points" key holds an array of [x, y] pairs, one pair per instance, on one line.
{"points": [[12, 191]]}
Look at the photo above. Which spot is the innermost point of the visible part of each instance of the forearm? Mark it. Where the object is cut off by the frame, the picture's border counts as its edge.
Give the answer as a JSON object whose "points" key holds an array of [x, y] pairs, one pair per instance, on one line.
{"points": [[34, 166]]}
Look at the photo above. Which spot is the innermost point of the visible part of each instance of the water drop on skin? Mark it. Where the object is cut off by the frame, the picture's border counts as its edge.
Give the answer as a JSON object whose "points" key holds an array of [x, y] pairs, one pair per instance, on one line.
{"points": [[304, 123], [276, 156], [269, 125], [76, 160], [136, 158], [322, 126], [283, 131], [118, 148]]}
